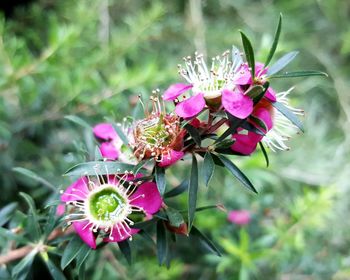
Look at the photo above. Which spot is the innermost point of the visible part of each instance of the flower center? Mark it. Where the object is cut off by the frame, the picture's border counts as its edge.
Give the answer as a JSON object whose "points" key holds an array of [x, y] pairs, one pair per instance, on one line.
{"points": [[154, 135], [107, 204]]}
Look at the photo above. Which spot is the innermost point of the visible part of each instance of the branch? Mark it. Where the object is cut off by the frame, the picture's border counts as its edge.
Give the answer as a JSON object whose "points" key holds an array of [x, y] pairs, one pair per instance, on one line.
{"points": [[21, 252]]}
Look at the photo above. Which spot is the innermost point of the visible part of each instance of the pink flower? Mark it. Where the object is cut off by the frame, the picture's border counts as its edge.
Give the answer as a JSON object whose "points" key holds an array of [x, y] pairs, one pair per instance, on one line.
{"points": [[239, 217], [243, 77], [103, 207], [206, 83], [159, 135]]}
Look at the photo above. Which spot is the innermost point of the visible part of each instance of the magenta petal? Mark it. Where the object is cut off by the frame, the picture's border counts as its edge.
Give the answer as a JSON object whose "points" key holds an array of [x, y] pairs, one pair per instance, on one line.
{"points": [[122, 236], [105, 131], [174, 91], [83, 230], [237, 104], [171, 159], [147, 197], [264, 115], [270, 95], [260, 69], [239, 217], [109, 151], [191, 106], [77, 191], [245, 144], [243, 76]]}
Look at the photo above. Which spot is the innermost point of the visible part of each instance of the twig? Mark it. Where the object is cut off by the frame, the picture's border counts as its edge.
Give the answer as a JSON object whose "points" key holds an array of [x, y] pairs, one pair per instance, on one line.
{"points": [[19, 253]]}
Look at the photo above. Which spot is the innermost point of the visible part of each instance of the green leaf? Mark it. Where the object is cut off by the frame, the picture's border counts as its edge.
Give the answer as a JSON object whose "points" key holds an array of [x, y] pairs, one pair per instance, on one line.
{"points": [[160, 179], [281, 63], [32, 223], [34, 176], [208, 168], [249, 53], [21, 270], [257, 98], [194, 134], [98, 155], [205, 241], [55, 272], [235, 171], [124, 247], [192, 192], [288, 114], [175, 217], [275, 41], [101, 168], [177, 190], [79, 121], [234, 124], [71, 251], [120, 133], [6, 212], [161, 242], [264, 153], [296, 74], [254, 91], [82, 255]]}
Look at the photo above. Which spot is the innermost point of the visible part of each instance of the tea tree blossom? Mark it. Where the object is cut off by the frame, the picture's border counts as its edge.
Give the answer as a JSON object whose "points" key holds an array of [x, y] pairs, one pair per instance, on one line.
{"points": [[208, 85], [103, 206], [159, 135]]}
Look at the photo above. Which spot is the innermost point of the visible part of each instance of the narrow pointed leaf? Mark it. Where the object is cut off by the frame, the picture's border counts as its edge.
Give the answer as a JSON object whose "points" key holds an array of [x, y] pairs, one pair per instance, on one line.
{"points": [[32, 225], [82, 255], [249, 53], [178, 190], [234, 124], [281, 63], [101, 168], [21, 270], [288, 114], [255, 91], [175, 217], [120, 133], [257, 98], [208, 168], [297, 74], [194, 134], [205, 241], [264, 153], [160, 179], [235, 171], [77, 120], [124, 247], [71, 251], [275, 41], [161, 242], [55, 272], [192, 192], [34, 176], [6, 212]]}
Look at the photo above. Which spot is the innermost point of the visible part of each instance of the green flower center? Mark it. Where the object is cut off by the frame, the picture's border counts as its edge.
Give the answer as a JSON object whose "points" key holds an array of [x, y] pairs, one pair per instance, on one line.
{"points": [[107, 204], [155, 132]]}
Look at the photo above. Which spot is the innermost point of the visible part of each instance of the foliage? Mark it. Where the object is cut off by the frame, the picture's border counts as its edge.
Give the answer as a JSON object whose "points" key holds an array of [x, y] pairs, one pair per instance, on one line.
{"points": [[65, 61]]}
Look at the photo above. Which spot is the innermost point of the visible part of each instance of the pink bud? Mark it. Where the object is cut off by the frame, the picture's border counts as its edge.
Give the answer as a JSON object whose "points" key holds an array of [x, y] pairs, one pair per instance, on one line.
{"points": [[239, 217]]}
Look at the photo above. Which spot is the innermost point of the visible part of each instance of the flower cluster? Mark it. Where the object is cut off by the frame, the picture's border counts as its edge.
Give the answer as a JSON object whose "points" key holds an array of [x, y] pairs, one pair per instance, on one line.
{"points": [[229, 103]]}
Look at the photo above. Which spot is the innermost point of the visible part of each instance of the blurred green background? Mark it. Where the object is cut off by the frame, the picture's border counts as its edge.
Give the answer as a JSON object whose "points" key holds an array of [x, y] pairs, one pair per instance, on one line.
{"points": [[90, 58]]}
